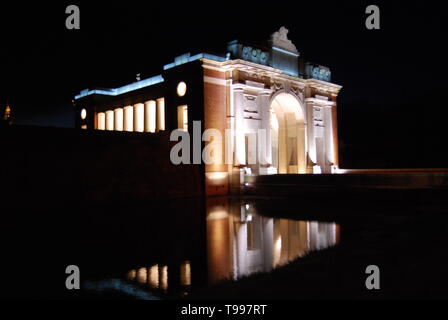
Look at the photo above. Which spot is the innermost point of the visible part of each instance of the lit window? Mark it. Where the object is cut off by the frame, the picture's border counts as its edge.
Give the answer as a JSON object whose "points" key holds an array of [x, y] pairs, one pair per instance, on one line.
{"points": [[182, 118], [181, 89], [83, 114]]}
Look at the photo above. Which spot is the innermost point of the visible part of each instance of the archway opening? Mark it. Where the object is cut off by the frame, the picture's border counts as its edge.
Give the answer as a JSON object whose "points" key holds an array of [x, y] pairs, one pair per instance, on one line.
{"points": [[287, 123]]}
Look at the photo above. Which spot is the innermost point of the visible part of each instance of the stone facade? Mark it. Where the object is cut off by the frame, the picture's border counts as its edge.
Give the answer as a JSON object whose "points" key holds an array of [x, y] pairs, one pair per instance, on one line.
{"points": [[275, 111]]}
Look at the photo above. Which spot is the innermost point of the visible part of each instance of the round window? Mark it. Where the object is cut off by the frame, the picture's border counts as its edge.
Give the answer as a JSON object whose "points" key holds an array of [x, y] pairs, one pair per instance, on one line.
{"points": [[181, 89]]}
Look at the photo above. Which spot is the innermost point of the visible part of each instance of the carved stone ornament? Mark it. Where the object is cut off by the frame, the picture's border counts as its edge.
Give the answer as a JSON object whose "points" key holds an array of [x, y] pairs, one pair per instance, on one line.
{"points": [[280, 39], [296, 90], [277, 85], [254, 55]]}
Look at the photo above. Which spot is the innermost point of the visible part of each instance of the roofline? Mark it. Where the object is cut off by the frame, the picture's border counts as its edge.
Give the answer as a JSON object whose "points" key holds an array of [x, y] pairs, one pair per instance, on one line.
{"points": [[124, 89]]}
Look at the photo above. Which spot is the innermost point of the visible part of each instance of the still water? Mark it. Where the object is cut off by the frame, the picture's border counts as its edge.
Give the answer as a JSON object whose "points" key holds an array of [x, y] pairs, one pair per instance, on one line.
{"points": [[236, 240]]}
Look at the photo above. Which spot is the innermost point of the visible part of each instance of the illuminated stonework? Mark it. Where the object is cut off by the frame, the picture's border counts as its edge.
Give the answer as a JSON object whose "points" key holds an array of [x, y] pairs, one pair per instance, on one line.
{"points": [[247, 89]]}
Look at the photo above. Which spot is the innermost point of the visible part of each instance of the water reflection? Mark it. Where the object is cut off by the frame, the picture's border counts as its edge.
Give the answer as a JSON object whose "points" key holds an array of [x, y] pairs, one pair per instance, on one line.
{"points": [[156, 277], [241, 242], [238, 242]]}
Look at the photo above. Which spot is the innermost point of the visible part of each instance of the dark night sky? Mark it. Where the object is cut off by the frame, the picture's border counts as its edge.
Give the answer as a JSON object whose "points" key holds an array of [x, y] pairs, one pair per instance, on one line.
{"points": [[390, 76]]}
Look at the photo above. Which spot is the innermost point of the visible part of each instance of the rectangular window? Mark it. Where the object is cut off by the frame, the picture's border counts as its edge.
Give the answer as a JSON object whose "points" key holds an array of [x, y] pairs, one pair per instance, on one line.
{"points": [[182, 118]]}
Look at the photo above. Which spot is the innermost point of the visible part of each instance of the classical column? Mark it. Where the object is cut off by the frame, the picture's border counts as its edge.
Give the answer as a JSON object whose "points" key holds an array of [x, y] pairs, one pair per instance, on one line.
{"points": [[268, 243], [282, 144], [219, 246], [139, 117], [241, 253], [291, 143], [153, 276], [329, 142], [109, 120], [301, 147], [313, 235], [163, 278], [264, 106], [118, 119], [334, 121], [150, 116], [128, 119], [160, 114], [101, 118], [185, 273], [311, 140], [95, 120], [240, 147]]}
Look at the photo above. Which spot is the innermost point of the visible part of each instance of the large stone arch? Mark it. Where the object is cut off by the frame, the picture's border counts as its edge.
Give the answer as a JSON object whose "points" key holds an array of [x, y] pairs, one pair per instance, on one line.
{"points": [[292, 93], [288, 132]]}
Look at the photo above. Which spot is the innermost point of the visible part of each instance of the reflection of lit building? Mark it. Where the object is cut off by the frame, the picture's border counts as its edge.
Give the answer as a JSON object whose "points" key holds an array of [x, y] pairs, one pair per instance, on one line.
{"points": [[251, 87], [237, 242], [240, 242], [156, 277]]}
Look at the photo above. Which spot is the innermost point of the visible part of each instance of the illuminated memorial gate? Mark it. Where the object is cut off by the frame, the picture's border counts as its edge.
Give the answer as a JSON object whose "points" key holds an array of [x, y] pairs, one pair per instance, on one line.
{"points": [[252, 88]]}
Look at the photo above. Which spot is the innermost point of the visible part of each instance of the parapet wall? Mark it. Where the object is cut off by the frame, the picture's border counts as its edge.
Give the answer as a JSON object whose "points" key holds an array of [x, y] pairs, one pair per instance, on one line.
{"points": [[53, 167], [386, 179]]}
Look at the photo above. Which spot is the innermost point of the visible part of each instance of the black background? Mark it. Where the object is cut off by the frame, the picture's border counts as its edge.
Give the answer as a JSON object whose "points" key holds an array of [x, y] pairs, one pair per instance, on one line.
{"points": [[392, 107]]}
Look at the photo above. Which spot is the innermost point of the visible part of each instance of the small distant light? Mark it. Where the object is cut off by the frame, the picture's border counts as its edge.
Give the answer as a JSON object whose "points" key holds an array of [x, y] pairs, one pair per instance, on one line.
{"points": [[249, 217], [247, 206], [83, 114], [246, 184], [181, 89]]}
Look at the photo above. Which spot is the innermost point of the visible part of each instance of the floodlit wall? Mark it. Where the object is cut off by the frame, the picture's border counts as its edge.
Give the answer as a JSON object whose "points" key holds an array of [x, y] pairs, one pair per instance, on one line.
{"points": [[215, 116]]}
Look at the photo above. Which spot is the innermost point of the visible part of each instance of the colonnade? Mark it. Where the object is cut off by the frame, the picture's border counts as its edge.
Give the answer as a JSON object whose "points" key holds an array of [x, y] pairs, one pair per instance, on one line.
{"points": [[141, 117]]}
